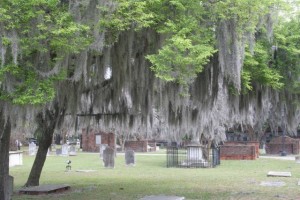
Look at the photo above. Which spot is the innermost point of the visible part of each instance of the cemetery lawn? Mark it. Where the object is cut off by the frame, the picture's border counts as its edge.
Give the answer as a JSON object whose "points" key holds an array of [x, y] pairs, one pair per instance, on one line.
{"points": [[231, 180]]}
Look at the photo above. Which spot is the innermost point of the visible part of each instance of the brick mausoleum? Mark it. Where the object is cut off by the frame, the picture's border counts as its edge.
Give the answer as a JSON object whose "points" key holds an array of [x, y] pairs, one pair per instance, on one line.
{"points": [[140, 146], [92, 139], [275, 146], [239, 150]]}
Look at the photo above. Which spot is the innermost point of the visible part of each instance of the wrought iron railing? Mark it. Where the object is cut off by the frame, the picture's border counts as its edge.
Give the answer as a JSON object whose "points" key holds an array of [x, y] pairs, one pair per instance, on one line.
{"points": [[187, 157]]}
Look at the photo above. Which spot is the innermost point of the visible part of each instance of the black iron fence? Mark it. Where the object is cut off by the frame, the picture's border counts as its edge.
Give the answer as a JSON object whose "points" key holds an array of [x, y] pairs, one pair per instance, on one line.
{"points": [[192, 157]]}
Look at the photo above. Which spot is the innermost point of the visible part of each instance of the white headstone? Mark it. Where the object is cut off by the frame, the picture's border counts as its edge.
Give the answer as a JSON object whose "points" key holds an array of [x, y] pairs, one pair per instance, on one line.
{"points": [[279, 174], [162, 197], [102, 147], [272, 183], [65, 150], [194, 153], [72, 150], [32, 149]]}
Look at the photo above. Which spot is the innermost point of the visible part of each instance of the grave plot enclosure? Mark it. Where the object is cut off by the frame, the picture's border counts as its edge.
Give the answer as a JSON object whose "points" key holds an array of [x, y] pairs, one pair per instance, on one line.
{"points": [[93, 139], [239, 150], [192, 156], [287, 144]]}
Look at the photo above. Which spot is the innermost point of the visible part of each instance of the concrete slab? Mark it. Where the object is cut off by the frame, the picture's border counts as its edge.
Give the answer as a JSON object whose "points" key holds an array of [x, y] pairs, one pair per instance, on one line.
{"points": [[272, 183], [279, 174], [44, 189], [86, 171], [162, 197]]}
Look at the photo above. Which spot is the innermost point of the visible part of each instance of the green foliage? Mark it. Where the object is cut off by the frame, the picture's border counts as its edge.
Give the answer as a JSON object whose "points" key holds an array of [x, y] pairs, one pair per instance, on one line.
{"points": [[44, 30], [246, 13], [189, 28], [287, 37], [128, 14], [29, 88], [257, 68], [189, 45], [189, 42]]}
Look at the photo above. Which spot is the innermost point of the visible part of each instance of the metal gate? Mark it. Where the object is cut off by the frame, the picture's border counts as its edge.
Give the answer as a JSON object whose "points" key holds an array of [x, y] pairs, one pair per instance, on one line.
{"points": [[181, 158]]}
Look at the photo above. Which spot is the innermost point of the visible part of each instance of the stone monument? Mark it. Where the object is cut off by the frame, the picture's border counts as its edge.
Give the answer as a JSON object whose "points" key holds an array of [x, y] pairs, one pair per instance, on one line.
{"points": [[65, 150], [32, 149], [109, 157], [130, 158]]}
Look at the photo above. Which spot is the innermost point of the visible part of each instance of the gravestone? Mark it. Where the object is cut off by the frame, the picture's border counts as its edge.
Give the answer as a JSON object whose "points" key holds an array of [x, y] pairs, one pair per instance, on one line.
{"points": [[72, 150], [162, 197], [279, 174], [32, 149], [272, 183], [109, 157], [102, 147], [297, 159], [65, 150], [130, 158], [58, 152]]}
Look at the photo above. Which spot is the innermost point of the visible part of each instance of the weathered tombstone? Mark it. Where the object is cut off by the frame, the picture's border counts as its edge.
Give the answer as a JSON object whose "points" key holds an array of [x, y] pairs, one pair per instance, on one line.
{"points": [[297, 159], [65, 150], [109, 157], [279, 174], [272, 183], [130, 158], [162, 197], [32, 149], [72, 150], [102, 147], [58, 152]]}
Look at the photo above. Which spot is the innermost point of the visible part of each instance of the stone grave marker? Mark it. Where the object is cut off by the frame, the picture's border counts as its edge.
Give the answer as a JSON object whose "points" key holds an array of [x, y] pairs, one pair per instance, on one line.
{"points": [[130, 158], [65, 150], [272, 183], [102, 147], [279, 174], [58, 152], [162, 197], [72, 150], [32, 149], [109, 157], [297, 159]]}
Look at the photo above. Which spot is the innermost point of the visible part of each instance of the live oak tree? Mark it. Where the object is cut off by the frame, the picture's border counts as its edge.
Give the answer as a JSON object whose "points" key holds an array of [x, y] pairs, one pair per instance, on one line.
{"points": [[35, 37], [225, 43]]}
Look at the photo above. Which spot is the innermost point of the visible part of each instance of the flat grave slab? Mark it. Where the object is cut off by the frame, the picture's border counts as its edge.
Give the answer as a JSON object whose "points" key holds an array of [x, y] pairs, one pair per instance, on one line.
{"points": [[272, 183], [44, 189], [299, 182], [279, 174], [86, 170], [161, 197]]}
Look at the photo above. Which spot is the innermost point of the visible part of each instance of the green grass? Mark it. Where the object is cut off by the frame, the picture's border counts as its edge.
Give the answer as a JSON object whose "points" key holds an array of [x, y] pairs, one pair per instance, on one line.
{"points": [[230, 180]]}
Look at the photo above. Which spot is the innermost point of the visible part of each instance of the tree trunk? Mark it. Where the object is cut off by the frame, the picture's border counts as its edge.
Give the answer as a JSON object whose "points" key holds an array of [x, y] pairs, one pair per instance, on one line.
{"points": [[46, 125], [5, 130]]}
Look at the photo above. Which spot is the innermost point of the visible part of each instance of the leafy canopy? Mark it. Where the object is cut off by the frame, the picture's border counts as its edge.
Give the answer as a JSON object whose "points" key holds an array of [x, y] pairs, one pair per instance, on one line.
{"points": [[39, 33]]}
